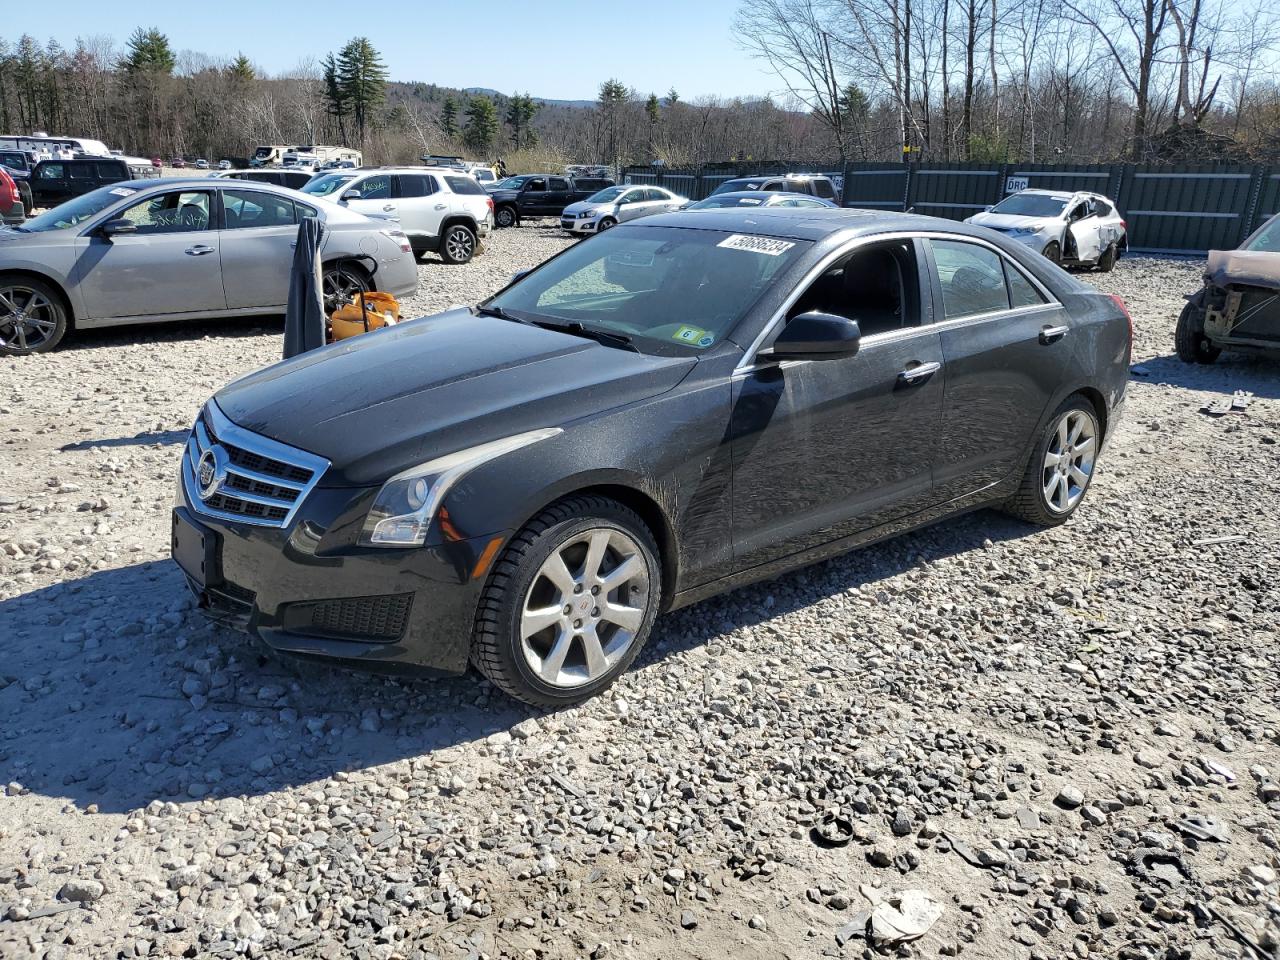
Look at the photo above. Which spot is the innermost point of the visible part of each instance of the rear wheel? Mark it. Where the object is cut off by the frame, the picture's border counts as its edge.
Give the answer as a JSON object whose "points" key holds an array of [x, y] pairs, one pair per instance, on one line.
{"points": [[1189, 339], [458, 244], [1107, 262], [570, 603], [32, 317], [1053, 252], [340, 283], [1061, 466]]}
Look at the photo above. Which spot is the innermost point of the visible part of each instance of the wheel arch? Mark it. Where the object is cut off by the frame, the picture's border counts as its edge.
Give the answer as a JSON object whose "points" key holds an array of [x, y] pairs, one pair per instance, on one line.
{"points": [[57, 286], [465, 219], [351, 261]]}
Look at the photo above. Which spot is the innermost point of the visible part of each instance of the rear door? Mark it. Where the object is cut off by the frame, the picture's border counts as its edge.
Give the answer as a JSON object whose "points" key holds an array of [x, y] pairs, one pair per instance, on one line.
{"points": [[258, 233], [559, 194], [422, 207], [1006, 345], [169, 265]]}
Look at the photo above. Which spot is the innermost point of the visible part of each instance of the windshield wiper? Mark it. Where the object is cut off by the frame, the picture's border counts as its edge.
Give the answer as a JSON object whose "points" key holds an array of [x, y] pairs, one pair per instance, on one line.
{"points": [[594, 333], [499, 313]]}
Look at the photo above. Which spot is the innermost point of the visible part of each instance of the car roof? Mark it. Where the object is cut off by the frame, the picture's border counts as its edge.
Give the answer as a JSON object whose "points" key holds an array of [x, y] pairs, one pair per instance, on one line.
{"points": [[765, 194], [806, 223]]}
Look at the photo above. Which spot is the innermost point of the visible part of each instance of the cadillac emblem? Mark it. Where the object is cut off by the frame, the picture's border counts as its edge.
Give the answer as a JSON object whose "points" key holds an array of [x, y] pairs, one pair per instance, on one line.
{"points": [[211, 471]]}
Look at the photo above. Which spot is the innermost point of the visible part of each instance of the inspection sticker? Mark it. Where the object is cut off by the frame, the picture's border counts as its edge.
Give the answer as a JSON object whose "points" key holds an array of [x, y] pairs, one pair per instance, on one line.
{"points": [[694, 336], [123, 191], [766, 245]]}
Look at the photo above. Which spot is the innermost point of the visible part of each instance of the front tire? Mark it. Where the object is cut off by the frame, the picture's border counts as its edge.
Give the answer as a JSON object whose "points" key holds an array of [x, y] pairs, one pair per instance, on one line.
{"points": [[32, 317], [605, 224], [1053, 252], [505, 217], [458, 245], [570, 603], [1189, 339], [1061, 466]]}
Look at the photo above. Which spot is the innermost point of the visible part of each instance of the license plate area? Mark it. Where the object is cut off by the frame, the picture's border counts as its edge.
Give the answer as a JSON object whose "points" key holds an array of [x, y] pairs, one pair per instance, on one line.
{"points": [[195, 550]]}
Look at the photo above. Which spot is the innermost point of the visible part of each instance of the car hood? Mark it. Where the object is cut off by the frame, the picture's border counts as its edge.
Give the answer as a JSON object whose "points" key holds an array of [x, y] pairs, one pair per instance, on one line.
{"points": [[1005, 221], [379, 403], [43, 238], [504, 194], [583, 207]]}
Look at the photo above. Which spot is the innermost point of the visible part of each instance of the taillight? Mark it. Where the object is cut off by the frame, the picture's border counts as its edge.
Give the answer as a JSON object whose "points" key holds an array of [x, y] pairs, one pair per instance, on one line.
{"points": [[1127, 316], [489, 201], [8, 190]]}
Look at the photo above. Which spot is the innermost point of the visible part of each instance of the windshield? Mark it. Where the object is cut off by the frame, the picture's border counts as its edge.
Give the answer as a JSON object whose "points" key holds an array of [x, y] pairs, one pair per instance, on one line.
{"points": [[607, 195], [713, 202], [512, 183], [730, 185], [673, 291], [77, 211], [1267, 239], [15, 161], [327, 184], [1030, 205]]}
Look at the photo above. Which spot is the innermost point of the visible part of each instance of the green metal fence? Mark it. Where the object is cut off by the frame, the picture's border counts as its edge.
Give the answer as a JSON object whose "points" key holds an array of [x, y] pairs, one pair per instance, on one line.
{"points": [[1178, 209]]}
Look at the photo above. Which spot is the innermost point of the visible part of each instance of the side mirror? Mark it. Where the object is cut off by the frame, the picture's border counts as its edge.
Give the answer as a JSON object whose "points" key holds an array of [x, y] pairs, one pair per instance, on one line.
{"points": [[113, 228], [816, 336], [987, 208], [352, 195]]}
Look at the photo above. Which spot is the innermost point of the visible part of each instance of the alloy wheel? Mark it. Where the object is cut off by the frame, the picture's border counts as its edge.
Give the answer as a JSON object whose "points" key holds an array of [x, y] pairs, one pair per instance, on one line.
{"points": [[460, 244], [27, 317], [584, 607], [1069, 460], [339, 287]]}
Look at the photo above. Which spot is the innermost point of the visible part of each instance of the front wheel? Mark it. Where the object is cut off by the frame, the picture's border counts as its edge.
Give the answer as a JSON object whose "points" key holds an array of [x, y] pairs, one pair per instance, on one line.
{"points": [[1189, 339], [1061, 466], [505, 217], [605, 224], [1053, 252], [32, 318], [458, 245], [570, 603]]}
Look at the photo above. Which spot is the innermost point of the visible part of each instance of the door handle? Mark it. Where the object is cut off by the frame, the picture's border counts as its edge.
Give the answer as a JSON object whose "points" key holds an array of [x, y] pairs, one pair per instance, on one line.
{"points": [[919, 373], [199, 250], [441, 206], [388, 207], [1053, 334]]}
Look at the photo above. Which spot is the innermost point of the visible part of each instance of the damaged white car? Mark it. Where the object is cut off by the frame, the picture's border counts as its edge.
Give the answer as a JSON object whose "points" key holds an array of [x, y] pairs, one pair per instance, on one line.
{"points": [[1071, 229]]}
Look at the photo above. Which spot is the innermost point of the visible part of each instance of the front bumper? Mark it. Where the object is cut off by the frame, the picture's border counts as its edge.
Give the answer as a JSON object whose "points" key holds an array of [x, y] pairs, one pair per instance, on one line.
{"points": [[306, 589], [574, 225]]}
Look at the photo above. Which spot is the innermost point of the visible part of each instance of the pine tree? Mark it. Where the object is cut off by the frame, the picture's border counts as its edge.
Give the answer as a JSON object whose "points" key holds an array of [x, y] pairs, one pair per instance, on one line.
{"points": [[363, 78], [521, 110], [241, 70], [482, 125], [449, 117], [672, 97], [148, 52], [609, 104], [335, 96], [652, 109]]}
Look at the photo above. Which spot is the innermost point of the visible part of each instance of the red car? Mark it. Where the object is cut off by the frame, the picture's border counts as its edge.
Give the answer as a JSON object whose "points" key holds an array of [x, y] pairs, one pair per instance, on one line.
{"points": [[157, 162], [11, 209], [177, 162]]}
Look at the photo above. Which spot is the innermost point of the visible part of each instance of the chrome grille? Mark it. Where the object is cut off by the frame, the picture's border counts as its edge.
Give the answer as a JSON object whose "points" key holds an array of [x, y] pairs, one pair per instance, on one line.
{"points": [[264, 481]]}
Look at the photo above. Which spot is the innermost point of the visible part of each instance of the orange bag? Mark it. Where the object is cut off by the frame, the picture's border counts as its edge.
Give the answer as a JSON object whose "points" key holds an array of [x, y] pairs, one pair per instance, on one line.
{"points": [[368, 312]]}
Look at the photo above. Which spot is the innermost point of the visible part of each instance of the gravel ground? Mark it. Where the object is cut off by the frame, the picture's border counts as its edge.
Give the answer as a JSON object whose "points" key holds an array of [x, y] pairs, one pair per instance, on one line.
{"points": [[1062, 737]]}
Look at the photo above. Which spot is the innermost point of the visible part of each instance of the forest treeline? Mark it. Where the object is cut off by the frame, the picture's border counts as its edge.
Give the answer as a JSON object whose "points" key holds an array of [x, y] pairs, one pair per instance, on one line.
{"points": [[937, 80]]}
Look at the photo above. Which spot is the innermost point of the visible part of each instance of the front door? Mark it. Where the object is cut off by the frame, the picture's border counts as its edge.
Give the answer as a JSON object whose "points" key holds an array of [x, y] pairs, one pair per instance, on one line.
{"points": [[257, 241], [533, 197], [378, 196], [828, 448], [1006, 344], [170, 264]]}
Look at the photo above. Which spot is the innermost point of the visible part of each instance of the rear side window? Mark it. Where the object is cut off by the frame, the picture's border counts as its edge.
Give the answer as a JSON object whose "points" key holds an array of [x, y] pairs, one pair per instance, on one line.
{"points": [[822, 188], [112, 171], [1022, 292], [778, 185], [52, 171], [971, 277], [558, 183], [417, 185], [82, 171], [464, 185], [245, 209]]}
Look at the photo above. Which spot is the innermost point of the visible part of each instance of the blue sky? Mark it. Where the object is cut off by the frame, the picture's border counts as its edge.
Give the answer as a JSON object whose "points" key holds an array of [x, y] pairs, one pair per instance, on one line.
{"points": [[558, 49]]}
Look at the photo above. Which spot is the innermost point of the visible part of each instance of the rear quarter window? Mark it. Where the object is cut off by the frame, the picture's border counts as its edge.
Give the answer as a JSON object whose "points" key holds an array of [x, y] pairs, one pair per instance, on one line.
{"points": [[464, 185]]}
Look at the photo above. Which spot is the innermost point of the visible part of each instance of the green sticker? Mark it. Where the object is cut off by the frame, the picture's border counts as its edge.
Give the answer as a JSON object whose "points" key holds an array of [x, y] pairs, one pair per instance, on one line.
{"points": [[693, 336]]}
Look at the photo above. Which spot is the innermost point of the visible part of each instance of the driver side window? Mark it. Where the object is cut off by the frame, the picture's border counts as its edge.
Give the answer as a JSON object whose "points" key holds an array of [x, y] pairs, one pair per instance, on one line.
{"points": [[538, 184], [177, 212], [877, 286]]}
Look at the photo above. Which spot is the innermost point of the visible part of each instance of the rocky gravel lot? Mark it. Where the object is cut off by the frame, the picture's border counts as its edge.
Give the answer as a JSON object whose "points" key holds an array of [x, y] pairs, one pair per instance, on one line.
{"points": [[1068, 740]]}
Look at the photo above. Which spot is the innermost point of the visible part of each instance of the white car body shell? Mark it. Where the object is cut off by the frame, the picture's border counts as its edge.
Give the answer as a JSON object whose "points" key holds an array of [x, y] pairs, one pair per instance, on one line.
{"points": [[1086, 227]]}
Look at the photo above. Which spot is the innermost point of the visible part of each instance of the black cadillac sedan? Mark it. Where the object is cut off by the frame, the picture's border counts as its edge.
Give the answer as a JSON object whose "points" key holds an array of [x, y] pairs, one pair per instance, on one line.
{"points": [[656, 415]]}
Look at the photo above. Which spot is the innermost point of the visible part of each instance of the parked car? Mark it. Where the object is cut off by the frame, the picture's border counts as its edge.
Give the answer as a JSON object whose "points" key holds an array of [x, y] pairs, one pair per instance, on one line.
{"points": [[614, 205], [178, 163], [293, 179], [202, 164], [12, 209], [224, 164], [55, 181], [1238, 308], [180, 249], [539, 195], [759, 198], [682, 405], [1071, 229], [18, 164], [812, 184], [484, 175], [157, 162], [443, 211]]}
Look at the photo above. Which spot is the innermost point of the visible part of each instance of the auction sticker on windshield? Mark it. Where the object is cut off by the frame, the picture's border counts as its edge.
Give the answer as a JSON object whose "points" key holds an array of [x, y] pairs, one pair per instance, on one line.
{"points": [[694, 336], [123, 191], [766, 245]]}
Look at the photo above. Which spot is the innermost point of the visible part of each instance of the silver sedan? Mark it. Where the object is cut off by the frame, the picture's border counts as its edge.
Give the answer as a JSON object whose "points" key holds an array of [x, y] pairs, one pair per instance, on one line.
{"points": [[613, 205], [179, 249]]}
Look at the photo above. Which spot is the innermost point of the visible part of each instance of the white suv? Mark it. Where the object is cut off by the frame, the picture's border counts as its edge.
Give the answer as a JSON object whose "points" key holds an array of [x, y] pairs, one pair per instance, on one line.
{"points": [[442, 211]]}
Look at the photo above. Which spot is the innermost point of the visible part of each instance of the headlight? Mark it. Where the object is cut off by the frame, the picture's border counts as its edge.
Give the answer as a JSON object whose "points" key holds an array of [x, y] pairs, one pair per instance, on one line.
{"points": [[403, 509], [1023, 231], [588, 214]]}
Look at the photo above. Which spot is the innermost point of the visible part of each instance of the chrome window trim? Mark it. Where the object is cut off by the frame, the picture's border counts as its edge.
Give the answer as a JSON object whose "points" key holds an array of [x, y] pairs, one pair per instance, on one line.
{"points": [[748, 361], [246, 440]]}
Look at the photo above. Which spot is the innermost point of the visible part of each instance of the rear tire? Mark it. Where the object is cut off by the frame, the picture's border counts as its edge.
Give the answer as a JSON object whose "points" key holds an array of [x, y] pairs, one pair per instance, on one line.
{"points": [[32, 316], [458, 245], [569, 604], [1107, 262], [1189, 339], [340, 282], [1061, 466]]}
